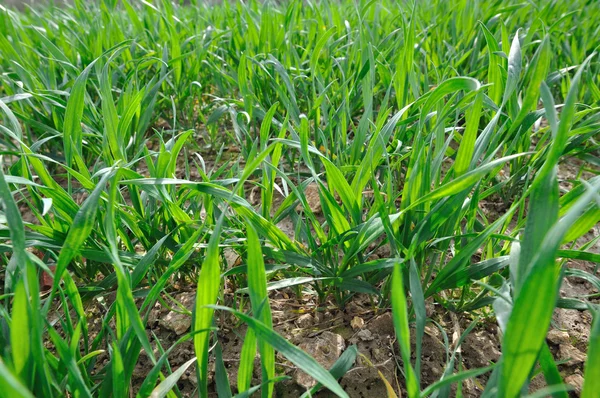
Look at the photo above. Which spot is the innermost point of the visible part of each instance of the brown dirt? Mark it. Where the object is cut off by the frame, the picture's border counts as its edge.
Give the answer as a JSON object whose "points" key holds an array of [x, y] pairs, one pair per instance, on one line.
{"points": [[322, 330]]}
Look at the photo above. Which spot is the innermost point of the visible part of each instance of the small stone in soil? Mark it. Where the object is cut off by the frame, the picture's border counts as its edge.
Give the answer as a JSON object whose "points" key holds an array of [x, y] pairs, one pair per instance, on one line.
{"points": [[304, 321], [326, 348], [357, 323], [556, 336], [567, 351], [575, 380], [177, 322], [365, 335]]}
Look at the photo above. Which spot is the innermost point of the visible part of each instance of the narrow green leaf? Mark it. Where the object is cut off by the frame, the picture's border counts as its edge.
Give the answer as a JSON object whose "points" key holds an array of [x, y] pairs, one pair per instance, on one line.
{"points": [[564, 126], [535, 303], [467, 144], [551, 372], [10, 384], [246, 369], [465, 181], [343, 364], [295, 355], [118, 371], [209, 283], [418, 303], [82, 226], [466, 374], [167, 384], [18, 261], [257, 284], [400, 317], [591, 384], [543, 213], [20, 329], [514, 68], [221, 378], [72, 133]]}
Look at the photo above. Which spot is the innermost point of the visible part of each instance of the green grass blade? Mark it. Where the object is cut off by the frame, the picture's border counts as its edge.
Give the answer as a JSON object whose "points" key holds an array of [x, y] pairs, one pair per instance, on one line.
{"points": [[76, 381], [591, 384], [118, 371], [418, 302], [467, 144], [543, 213], [514, 68], [400, 316], [221, 378], [10, 384], [257, 286], [295, 355], [20, 330], [343, 364], [465, 181], [209, 282], [167, 384], [82, 226], [534, 305], [564, 126], [72, 133], [246, 369], [19, 260], [551, 372], [466, 374]]}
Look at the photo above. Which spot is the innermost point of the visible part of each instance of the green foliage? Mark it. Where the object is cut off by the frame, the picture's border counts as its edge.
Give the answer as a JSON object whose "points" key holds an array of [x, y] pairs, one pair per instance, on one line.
{"points": [[141, 139]]}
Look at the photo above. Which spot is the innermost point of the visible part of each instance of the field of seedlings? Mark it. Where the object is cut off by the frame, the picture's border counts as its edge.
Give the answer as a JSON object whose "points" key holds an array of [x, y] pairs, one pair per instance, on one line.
{"points": [[300, 198]]}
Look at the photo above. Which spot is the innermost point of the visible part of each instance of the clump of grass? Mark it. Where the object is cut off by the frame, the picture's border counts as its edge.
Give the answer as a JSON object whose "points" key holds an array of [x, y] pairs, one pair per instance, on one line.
{"points": [[405, 118]]}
